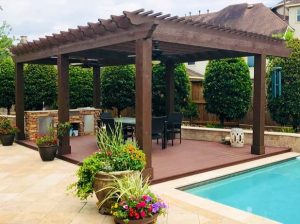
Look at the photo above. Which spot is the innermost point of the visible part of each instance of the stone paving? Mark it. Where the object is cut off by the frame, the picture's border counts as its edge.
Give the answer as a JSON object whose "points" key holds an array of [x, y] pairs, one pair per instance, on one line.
{"points": [[32, 191]]}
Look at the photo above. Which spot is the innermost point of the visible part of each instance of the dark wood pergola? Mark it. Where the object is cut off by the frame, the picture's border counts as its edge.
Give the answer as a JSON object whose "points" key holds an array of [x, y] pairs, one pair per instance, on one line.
{"points": [[130, 39]]}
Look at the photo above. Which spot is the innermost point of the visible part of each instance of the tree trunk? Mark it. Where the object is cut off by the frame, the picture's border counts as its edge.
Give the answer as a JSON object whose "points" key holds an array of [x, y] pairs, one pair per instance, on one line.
{"points": [[295, 127], [119, 112], [222, 120], [8, 110]]}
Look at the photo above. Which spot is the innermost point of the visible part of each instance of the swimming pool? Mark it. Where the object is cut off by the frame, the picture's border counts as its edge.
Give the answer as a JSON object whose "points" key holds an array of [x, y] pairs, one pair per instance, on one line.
{"points": [[272, 191]]}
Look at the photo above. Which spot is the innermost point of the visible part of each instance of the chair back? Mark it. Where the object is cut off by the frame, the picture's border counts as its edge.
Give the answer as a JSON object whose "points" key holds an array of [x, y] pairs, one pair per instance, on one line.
{"points": [[175, 119], [158, 124], [109, 124], [106, 115]]}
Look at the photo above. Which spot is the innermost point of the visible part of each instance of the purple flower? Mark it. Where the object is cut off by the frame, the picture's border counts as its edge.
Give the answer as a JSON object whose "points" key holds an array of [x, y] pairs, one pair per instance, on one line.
{"points": [[155, 207], [148, 199]]}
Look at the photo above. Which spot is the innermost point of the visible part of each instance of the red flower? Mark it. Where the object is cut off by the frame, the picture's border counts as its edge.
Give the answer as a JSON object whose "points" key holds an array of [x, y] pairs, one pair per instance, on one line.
{"points": [[145, 197], [137, 216], [143, 214], [142, 204]]}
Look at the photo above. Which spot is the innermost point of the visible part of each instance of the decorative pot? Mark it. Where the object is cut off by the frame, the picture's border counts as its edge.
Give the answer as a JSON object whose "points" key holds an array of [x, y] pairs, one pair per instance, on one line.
{"points": [[150, 220], [103, 179], [7, 140], [237, 137], [47, 153]]}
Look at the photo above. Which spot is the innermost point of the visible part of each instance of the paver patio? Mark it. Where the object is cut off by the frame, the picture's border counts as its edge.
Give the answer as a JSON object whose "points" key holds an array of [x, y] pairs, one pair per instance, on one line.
{"points": [[32, 191]]}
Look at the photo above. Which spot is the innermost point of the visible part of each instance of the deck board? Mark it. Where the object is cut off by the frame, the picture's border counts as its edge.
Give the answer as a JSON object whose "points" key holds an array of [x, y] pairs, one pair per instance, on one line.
{"points": [[180, 160]]}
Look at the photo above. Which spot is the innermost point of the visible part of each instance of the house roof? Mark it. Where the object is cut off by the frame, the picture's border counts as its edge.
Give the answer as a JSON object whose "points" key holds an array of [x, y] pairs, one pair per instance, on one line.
{"points": [[250, 17], [288, 3]]}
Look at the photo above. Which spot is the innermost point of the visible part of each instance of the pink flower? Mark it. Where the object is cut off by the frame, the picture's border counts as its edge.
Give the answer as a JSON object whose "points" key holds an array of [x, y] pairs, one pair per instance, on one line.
{"points": [[143, 214]]}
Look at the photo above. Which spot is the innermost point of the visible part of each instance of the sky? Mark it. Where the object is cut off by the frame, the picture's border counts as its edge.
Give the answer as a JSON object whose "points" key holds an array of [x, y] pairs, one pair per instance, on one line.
{"points": [[37, 18]]}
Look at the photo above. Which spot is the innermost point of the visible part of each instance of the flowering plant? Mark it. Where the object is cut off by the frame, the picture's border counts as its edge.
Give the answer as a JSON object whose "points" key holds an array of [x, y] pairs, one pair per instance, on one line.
{"points": [[47, 140], [135, 200], [138, 208], [114, 155], [6, 128]]}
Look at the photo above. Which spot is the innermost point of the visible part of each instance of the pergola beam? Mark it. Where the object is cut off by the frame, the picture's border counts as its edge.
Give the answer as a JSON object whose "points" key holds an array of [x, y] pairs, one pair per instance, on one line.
{"points": [[96, 87], [143, 102], [63, 101], [259, 103], [136, 32], [19, 79]]}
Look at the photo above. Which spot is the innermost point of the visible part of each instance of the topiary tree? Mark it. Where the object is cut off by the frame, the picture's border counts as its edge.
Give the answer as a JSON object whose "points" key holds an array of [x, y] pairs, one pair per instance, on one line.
{"points": [[285, 109], [7, 83], [182, 88], [118, 87], [81, 87], [40, 82], [227, 88]]}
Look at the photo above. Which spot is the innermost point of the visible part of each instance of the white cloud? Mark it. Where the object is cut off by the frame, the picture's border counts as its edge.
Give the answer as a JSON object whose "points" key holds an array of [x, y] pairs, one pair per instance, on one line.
{"points": [[35, 18]]}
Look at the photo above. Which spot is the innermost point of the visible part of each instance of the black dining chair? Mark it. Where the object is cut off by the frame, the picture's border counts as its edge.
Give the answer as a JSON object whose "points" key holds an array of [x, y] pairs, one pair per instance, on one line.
{"points": [[104, 115], [158, 129], [109, 124], [174, 126]]}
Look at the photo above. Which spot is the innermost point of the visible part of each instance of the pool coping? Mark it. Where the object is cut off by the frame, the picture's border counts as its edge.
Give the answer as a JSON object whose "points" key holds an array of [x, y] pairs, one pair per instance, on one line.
{"points": [[170, 191]]}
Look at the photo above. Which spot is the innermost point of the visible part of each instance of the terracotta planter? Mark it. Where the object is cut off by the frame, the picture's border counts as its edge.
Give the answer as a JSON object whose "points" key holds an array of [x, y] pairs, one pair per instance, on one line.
{"points": [[47, 153], [149, 220], [103, 179], [7, 140]]}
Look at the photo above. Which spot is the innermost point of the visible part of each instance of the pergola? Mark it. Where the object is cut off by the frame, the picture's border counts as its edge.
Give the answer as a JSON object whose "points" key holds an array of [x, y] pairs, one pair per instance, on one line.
{"points": [[130, 38]]}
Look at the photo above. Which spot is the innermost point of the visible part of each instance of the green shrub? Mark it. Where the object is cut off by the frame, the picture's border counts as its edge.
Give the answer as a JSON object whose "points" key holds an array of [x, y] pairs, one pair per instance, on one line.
{"points": [[285, 109], [7, 83], [227, 88], [118, 87]]}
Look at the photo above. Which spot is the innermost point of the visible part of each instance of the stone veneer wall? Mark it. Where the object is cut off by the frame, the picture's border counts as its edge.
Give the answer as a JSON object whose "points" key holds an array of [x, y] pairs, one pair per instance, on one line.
{"points": [[276, 139], [76, 116]]}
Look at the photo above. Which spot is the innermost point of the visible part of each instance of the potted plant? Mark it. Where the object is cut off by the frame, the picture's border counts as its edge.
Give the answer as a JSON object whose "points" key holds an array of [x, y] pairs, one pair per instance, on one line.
{"points": [[114, 158], [47, 145], [136, 204], [7, 132]]}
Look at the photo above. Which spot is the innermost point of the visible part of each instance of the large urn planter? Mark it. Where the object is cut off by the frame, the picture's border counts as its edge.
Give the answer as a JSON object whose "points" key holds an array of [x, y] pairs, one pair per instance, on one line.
{"points": [[102, 180], [150, 220], [7, 140], [47, 153]]}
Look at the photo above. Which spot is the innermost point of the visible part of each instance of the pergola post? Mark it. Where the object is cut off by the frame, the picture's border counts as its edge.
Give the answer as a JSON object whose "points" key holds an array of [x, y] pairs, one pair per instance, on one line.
{"points": [[259, 102], [96, 87], [170, 66], [19, 79], [143, 101], [63, 100]]}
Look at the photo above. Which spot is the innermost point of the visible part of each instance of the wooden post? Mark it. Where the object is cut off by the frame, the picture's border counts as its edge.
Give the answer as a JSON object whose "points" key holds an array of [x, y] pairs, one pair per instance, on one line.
{"points": [[96, 87], [143, 101], [63, 100], [170, 66], [259, 102], [19, 79]]}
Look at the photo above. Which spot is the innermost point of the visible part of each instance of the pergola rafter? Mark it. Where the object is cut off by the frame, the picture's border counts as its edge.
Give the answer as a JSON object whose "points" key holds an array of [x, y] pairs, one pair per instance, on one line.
{"points": [[128, 39]]}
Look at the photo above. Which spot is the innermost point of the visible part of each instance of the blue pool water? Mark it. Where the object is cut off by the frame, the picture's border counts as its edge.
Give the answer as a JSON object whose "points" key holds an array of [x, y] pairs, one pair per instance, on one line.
{"points": [[272, 192]]}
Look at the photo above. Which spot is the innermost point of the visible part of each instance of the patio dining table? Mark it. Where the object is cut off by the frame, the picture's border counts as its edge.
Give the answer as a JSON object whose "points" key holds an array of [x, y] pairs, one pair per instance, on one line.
{"points": [[126, 120]]}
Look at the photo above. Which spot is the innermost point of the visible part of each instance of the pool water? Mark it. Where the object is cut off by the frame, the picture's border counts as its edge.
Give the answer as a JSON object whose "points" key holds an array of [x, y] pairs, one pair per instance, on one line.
{"points": [[272, 191]]}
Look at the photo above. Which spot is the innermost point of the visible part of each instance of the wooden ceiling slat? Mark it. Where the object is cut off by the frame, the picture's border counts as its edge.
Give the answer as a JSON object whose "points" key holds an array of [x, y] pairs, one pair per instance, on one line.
{"points": [[87, 31], [77, 33], [121, 21], [163, 17], [97, 27], [146, 13], [156, 14], [52, 40], [109, 25], [69, 36]]}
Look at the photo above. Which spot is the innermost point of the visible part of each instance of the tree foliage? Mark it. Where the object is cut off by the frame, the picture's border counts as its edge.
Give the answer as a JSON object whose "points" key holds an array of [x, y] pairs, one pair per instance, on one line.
{"points": [[227, 88], [118, 87], [40, 86], [81, 87], [5, 40], [182, 89], [285, 109], [7, 83]]}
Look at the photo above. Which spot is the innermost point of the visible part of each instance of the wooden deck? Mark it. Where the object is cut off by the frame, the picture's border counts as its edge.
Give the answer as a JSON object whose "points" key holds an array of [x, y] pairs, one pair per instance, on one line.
{"points": [[189, 157]]}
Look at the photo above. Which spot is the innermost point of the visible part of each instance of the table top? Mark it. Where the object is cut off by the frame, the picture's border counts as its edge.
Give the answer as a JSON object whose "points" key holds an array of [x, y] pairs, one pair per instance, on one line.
{"points": [[126, 120]]}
